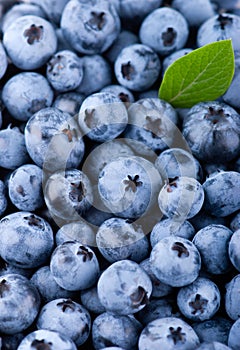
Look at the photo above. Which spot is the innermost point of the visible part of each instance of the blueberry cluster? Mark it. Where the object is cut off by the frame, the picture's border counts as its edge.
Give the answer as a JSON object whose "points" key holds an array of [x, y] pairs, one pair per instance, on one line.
{"points": [[119, 214]]}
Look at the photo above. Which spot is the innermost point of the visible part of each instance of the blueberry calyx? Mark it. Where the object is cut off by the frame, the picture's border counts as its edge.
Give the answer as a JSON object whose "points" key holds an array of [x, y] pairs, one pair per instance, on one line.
{"points": [[224, 21], [33, 34], [215, 115], [34, 221], [89, 118], [169, 37], [153, 125], [4, 287], [123, 97], [56, 60], [127, 70], [97, 21], [69, 133], [78, 192], [198, 304], [132, 183], [86, 254], [177, 335], [139, 297], [41, 345], [67, 304], [180, 248], [171, 182]]}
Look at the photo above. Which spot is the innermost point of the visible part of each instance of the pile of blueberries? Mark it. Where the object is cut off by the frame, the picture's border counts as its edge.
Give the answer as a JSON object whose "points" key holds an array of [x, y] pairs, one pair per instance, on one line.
{"points": [[119, 214]]}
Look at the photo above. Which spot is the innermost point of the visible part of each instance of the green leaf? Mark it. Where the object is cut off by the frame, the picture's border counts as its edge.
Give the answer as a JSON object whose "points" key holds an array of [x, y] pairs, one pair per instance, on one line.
{"points": [[202, 75]]}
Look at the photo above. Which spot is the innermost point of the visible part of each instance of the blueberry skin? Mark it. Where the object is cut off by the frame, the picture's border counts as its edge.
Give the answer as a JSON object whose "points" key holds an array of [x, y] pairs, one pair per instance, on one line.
{"points": [[222, 193], [69, 102], [230, 97], [68, 194], [165, 30], [11, 341], [6, 268], [181, 198], [203, 219], [110, 330], [13, 151], [212, 242], [235, 222], [216, 329], [124, 39], [30, 41], [90, 27], [152, 124], [220, 131], [200, 300], [152, 93], [102, 117], [168, 227], [25, 187], [168, 333], [195, 14], [117, 239], [174, 56], [19, 232], [74, 266], [90, 300], [3, 198], [54, 140], [47, 339], [20, 303], [80, 231], [124, 288], [137, 67], [128, 186], [25, 94], [175, 261], [213, 346], [67, 317], [234, 338], [121, 92], [97, 73], [48, 289], [52, 9], [234, 250], [64, 71], [220, 27], [3, 60], [232, 298]]}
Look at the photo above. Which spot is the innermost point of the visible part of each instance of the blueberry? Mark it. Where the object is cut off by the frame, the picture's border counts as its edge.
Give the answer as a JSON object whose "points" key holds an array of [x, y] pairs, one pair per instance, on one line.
{"points": [[124, 288], [216, 329], [230, 97], [52, 9], [220, 27], [137, 67], [66, 317], [168, 227], [20, 303], [80, 231], [168, 60], [234, 250], [13, 152], [232, 298], [90, 27], [69, 102], [212, 242], [74, 266], [3, 198], [102, 116], [175, 261], [64, 71], [96, 74], [213, 346], [121, 92], [49, 290], [181, 198], [204, 218], [6, 268], [45, 339], [53, 140], [90, 300], [222, 193], [25, 94], [168, 333], [68, 194], [109, 330], [128, 186], [3, 60], [26, 230], [196, 13], [199, 300], [118, 239], [165, 30], [151, 126], [152, 93], [235, 222], [25, 187], [30, 41], [220, 131], [234, 335]]}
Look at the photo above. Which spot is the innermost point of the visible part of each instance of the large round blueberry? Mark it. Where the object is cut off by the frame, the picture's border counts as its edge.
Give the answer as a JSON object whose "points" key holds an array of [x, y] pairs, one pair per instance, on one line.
{"points": [[232, 298]]}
